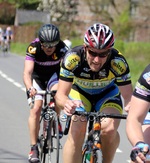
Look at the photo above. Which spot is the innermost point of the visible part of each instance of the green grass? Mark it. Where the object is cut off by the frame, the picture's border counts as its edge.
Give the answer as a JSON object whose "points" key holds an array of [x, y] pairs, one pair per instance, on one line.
{"points": [[19, 48], [136, 53]]}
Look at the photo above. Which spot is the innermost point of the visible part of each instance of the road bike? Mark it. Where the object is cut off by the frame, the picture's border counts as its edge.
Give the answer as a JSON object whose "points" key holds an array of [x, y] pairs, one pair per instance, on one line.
{"points": [[5, 48], [48, 140], [91, 151]]}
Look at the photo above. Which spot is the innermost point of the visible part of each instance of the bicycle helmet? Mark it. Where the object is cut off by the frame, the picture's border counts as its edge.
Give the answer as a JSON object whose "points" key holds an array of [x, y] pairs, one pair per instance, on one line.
{"points": [[49, 33], [99, 36]]}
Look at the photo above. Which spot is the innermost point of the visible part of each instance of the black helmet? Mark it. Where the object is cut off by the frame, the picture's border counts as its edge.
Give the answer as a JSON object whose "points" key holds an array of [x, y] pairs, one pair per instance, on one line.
{"points": [[49, 33]]}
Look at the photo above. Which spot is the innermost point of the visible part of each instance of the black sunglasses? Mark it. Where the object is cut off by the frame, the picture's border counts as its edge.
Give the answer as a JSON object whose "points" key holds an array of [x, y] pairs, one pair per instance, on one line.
{"points": [[49, 45], [101, 55]]}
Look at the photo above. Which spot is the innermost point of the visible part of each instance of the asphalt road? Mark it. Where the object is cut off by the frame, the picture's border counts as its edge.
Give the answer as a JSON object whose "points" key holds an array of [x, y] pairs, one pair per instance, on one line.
{"points": [[14, 135]]}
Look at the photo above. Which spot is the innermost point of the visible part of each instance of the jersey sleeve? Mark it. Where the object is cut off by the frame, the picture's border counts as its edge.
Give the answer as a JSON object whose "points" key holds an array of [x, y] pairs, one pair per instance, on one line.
{"points": [[31, 50], [120, 68], [70, 62], [142, 88]]}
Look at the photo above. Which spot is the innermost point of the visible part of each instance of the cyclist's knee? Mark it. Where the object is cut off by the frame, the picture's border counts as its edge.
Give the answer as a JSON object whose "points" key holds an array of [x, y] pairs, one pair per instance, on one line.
{"points": [[109, 130], [35, 111], [77, 130]]}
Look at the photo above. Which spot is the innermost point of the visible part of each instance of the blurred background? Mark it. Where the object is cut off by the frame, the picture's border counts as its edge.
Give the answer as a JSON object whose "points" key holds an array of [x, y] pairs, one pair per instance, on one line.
{"points": [[129, 20]]}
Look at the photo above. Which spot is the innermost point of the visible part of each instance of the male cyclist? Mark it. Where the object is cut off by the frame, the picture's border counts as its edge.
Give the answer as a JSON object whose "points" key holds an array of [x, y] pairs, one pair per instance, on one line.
{"points": [[41, 70], [94, 74], [137, 126]]}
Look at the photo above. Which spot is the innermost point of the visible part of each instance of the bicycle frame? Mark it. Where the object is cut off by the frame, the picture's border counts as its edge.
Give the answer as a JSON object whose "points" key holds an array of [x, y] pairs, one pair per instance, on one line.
{"points": [[5, 47], [92, 145], [50, 134]]}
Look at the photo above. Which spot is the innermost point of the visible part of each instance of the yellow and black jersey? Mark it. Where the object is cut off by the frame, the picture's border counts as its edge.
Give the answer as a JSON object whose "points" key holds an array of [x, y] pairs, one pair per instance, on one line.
{"points": [[75, 69]]}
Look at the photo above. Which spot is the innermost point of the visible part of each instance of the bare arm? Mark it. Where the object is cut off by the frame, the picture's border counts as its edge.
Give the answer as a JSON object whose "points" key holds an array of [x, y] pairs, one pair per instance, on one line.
{"points": [[62, 100], [28, 69], [136, 115], [126, 92]]}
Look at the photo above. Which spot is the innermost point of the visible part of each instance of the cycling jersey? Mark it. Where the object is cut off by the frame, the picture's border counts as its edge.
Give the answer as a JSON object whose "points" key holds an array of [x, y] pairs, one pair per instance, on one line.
{"points": [[75, 69], [142, 88], [44, 66], [101, 84]]}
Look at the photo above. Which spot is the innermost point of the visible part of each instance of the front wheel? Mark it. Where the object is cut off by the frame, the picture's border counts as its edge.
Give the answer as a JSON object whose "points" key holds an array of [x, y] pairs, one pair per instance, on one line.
{"points": [[53, 141], [92, 157], [97, 156]]}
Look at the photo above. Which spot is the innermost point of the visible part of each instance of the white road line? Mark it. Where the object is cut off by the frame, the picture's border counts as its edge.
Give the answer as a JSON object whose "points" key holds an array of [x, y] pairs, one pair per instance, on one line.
{"points": [[12, 81], [24, 89]]}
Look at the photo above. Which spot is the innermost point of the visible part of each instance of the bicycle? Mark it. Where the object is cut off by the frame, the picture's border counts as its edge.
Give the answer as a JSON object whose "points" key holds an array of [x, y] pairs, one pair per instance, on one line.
{"points": [[48, 140], [5, 48], [91, 151]]}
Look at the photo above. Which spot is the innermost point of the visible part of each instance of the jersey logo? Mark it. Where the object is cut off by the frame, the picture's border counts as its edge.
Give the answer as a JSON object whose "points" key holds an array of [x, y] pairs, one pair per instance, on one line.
{"points": [[71, 61], [146, 76], [32, 49], [54, 56], [119, 66]]}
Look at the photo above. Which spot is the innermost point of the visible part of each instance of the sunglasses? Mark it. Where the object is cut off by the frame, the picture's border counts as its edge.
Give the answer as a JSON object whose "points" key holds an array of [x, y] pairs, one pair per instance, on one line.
{"points": [[100, 55], [49, 44]]}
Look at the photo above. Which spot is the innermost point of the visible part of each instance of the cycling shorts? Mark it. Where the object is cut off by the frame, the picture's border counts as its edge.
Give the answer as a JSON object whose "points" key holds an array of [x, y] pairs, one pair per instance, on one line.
{"points": [[39, 85], [109, 98], [147, 119]]}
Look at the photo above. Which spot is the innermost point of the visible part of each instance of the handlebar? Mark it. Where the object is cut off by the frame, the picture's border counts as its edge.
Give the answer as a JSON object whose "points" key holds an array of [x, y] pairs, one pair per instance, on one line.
{"points": [[92, 114], [47, 92]]}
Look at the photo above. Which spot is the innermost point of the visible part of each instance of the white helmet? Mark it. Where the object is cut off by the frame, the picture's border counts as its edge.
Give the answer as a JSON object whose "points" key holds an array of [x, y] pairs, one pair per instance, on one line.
{"points": [[68, 43]]}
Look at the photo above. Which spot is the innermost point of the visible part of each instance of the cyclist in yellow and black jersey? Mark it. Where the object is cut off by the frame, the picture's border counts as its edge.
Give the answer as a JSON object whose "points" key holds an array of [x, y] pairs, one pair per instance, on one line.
{"points": [[93, 75], [75, 69]]}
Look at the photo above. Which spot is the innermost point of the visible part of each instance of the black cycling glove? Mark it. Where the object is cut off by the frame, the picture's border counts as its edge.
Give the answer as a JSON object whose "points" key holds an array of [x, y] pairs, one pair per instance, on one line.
{"points": [[137, 149]]}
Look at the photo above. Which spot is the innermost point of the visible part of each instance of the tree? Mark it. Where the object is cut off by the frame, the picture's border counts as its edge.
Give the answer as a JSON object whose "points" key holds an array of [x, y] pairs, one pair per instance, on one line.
{"points": [[5, 16], [113, 13], [61, 11], [11, 5]]}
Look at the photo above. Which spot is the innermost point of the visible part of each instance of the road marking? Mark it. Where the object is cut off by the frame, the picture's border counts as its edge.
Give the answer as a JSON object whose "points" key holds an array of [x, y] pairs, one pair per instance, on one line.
{"points": [[118, 150], [12, 81], [24, 89]]}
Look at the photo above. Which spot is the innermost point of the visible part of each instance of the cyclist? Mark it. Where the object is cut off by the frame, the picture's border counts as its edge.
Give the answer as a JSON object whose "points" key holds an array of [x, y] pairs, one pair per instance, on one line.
{"points": [[9, 35], [93, 74], [41, 70], [138, 128], [1, 36]]}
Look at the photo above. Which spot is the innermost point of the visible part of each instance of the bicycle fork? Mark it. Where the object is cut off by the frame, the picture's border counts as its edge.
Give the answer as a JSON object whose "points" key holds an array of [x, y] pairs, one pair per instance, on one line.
{"points": [[92, 144]]}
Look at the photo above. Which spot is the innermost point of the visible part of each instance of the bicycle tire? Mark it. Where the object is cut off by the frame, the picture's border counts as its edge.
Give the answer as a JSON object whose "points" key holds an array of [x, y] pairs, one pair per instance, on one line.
{"points": [[53, 141], [97, 157], [42, 149], [83, 155]]}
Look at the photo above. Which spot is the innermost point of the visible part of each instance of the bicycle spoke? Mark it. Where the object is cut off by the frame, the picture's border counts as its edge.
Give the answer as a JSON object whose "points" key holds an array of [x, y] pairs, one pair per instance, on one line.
{"points": [[53, 141]]}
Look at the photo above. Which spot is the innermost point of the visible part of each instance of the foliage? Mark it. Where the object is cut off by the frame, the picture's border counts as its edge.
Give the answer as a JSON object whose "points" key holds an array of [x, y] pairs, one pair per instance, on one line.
{"points": [[5, 16], [137, 54], [100, 7], [123, 25], [60, 10], [24, 4], [11, 5], [118, 18]]}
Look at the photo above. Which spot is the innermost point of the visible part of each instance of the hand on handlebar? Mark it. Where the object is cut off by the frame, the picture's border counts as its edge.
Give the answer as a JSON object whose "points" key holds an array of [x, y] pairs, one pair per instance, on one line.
{"points": [[71, 105], [32, 91], [139, 152]]}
